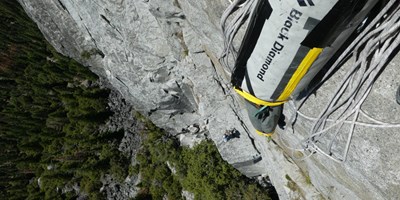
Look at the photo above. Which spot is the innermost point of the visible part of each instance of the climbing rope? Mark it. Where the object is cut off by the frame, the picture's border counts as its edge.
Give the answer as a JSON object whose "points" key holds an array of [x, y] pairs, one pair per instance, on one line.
{"points": [[239, 5], [231, 29], [372, 48]]}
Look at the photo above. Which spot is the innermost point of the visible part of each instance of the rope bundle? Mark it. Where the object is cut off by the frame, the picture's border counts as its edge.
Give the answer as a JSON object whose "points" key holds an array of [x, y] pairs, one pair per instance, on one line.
{"points": [[242, 11], [372, 48]]}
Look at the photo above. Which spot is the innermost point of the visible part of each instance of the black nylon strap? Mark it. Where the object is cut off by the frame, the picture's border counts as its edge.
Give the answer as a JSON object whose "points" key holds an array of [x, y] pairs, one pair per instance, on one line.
{"points": [[257, 20], [248, 83]]}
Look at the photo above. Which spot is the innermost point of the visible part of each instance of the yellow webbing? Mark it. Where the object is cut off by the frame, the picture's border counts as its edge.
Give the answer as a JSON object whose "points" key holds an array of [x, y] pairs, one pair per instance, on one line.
{"points": [[264, 134], [305, 64], [256, 100]]}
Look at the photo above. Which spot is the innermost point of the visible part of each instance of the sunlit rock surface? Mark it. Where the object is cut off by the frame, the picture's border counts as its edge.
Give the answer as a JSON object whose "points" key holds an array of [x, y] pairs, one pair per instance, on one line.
{"points": [[161, 55]]}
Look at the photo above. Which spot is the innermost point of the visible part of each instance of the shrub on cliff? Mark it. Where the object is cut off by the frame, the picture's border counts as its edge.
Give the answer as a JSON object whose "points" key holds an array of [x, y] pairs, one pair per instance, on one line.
{"points": [[200, 170]]}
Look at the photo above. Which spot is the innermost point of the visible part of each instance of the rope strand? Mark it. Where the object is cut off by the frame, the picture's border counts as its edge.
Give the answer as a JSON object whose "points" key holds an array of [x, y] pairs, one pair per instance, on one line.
{"points": [[374, 46]]}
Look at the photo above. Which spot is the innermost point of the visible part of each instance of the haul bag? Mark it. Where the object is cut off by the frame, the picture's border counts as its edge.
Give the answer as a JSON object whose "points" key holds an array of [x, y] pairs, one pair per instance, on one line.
{"points": [[285, 46], [264, 118]]}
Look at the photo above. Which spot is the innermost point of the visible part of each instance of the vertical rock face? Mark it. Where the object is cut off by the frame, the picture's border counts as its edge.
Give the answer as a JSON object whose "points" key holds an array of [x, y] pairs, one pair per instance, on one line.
{"points": [[161, 55]]}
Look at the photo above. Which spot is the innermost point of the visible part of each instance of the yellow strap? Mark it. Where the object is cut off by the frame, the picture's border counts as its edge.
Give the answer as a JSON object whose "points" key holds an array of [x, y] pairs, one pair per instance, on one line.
{"points": [[305, 64], [256, 100], [264, 134]]}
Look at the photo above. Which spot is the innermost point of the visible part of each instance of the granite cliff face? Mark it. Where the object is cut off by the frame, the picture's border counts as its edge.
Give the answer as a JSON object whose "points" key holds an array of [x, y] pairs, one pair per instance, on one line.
{"points": [[161, 55]]}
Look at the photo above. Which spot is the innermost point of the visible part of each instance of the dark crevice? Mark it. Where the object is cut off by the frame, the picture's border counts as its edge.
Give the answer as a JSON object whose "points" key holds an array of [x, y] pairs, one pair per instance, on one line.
{"points": [[288, 159], [178, 15], [91, 37], [252, 161], [246, 129], [174, 114], [218, 79], [117, 30], [197, 52], [151, 111], [63, 6], [175, 96], [109, 23], [121, 81], [179, 86], [105, 19], [97, 50], [220, 85], [101, 53]]}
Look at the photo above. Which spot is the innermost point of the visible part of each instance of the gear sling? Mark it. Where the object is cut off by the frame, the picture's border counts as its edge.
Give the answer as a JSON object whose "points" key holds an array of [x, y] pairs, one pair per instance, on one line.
{"points": [[285, 45]]}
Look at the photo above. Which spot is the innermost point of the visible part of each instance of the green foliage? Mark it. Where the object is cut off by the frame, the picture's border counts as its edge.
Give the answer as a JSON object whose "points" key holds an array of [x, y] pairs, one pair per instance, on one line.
{"points": [[86, 55], [291, 184], [48, 120], [200, 170]]}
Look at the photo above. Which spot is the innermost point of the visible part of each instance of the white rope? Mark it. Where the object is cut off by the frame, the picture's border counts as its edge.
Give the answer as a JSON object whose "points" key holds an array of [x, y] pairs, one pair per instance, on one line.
{"points": [[372, 48], [240, 5], [372, 125], [294, 150], [229, 30]]}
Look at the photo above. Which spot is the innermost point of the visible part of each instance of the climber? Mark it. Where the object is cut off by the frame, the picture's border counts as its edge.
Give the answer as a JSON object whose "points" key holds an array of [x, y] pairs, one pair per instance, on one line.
{"points": [[285, 45], [226, 137]]}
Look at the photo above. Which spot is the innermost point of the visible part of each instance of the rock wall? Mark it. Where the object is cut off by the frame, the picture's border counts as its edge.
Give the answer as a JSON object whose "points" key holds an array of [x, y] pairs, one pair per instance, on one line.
{"points": [[161, 55]]}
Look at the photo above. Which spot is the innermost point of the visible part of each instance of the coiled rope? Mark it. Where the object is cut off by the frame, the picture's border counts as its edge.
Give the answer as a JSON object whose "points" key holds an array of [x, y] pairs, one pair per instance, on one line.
{"points": [[242, 9], [372, 48]]}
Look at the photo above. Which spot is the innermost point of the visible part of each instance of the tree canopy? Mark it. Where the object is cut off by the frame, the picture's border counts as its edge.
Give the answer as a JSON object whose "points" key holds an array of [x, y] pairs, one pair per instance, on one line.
{"points": [[48, 119]]}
